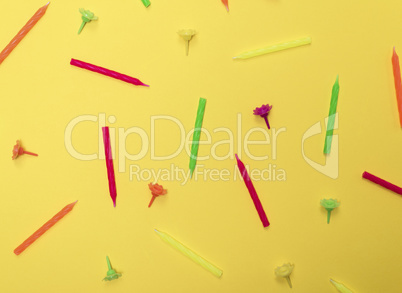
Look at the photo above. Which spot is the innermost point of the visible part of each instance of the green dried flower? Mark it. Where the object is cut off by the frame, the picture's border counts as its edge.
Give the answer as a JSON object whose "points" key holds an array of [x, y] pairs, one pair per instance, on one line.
{"points": [[111, 274], [87, 16], [329, 205]]}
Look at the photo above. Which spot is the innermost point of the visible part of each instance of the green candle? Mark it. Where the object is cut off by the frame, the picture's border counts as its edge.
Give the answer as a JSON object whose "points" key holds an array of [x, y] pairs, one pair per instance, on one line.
{"points": [[331, 117], [197, 134], [274, 48], [146, 3]]}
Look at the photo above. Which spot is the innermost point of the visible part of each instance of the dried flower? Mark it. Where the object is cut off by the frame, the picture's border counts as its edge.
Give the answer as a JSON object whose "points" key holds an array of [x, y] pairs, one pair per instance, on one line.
{"points": [[87, 16], [156, 190], [284, 271], [329, 205], [263, 111], [186, 34], [18, 151], [111, 274]]}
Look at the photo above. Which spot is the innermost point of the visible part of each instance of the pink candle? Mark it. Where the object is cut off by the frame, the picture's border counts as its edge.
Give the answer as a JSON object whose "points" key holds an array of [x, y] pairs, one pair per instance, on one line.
{"points": [[398, 83], [109, 164], [106, 72], [31, 239], [22, 33], [253, 193], [382, 182]]}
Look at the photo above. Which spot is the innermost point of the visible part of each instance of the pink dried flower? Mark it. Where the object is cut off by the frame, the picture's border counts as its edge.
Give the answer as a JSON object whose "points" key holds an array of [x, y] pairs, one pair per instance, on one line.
{"points": [[263, 111]]}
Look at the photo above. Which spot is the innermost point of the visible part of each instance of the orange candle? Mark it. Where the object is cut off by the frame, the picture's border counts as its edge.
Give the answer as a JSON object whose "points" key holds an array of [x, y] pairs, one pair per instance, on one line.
{"points": [[225, 2], [31, 239], [22, 33], [398, 84]]}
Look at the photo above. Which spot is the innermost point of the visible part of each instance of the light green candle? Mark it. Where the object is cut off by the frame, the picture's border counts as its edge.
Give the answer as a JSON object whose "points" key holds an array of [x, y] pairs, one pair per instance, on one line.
{"points": [[189, 253], [340, 287], [274, 48], [197, 134], [331, 117]]}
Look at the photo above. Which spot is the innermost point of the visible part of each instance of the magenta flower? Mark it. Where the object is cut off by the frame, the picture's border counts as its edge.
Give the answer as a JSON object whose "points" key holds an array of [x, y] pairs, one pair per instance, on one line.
{"points": [[263, 111]]}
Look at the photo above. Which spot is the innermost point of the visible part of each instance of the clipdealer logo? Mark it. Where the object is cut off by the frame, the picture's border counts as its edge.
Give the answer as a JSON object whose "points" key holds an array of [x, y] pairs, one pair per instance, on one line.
{"points": [[271, 172], [118, 136]]}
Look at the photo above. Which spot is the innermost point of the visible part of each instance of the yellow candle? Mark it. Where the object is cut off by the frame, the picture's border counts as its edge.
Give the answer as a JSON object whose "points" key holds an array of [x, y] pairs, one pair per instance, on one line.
{"points": [[341, 288], [190, 254], [274, 48]]}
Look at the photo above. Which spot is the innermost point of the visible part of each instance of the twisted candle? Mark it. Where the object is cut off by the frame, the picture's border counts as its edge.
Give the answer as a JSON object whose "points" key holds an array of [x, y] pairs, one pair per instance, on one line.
{"points": [[189, 253], [340, 287], [225, 2], [382, 182], [331, 117], [274, 48], [197, 134], [146, 3], [109, 164], [31, 239], [398, 83], [22, 33], [107, 72], [253, 193]]}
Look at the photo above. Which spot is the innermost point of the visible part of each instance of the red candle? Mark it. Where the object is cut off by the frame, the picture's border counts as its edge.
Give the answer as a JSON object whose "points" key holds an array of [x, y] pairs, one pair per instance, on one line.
{"points": [[109, 164], [382, 182], [22, 33], [253, 193], [31, 239], [107, 72], [398, 83]]}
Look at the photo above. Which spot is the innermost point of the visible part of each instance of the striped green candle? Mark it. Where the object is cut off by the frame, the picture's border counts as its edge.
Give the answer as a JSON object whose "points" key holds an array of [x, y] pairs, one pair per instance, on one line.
{"points": [[197, 134], [331, 117]]}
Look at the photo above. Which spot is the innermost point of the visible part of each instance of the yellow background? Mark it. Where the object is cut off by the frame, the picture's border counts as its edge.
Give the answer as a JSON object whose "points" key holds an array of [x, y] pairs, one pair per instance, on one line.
{"points": [[41, 93]]}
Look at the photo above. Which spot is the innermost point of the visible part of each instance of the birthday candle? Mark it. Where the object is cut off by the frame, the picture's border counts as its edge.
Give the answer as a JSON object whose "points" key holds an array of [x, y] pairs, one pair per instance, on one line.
{"points": [[340, 287], [146, 3], [197, 134], [274, 48], [109, 164], [331, 117], [31, 239], [107, 72], [382, 182], [253, 193], [190, 254], [225, 2], [398, 83], [23, 32]]}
